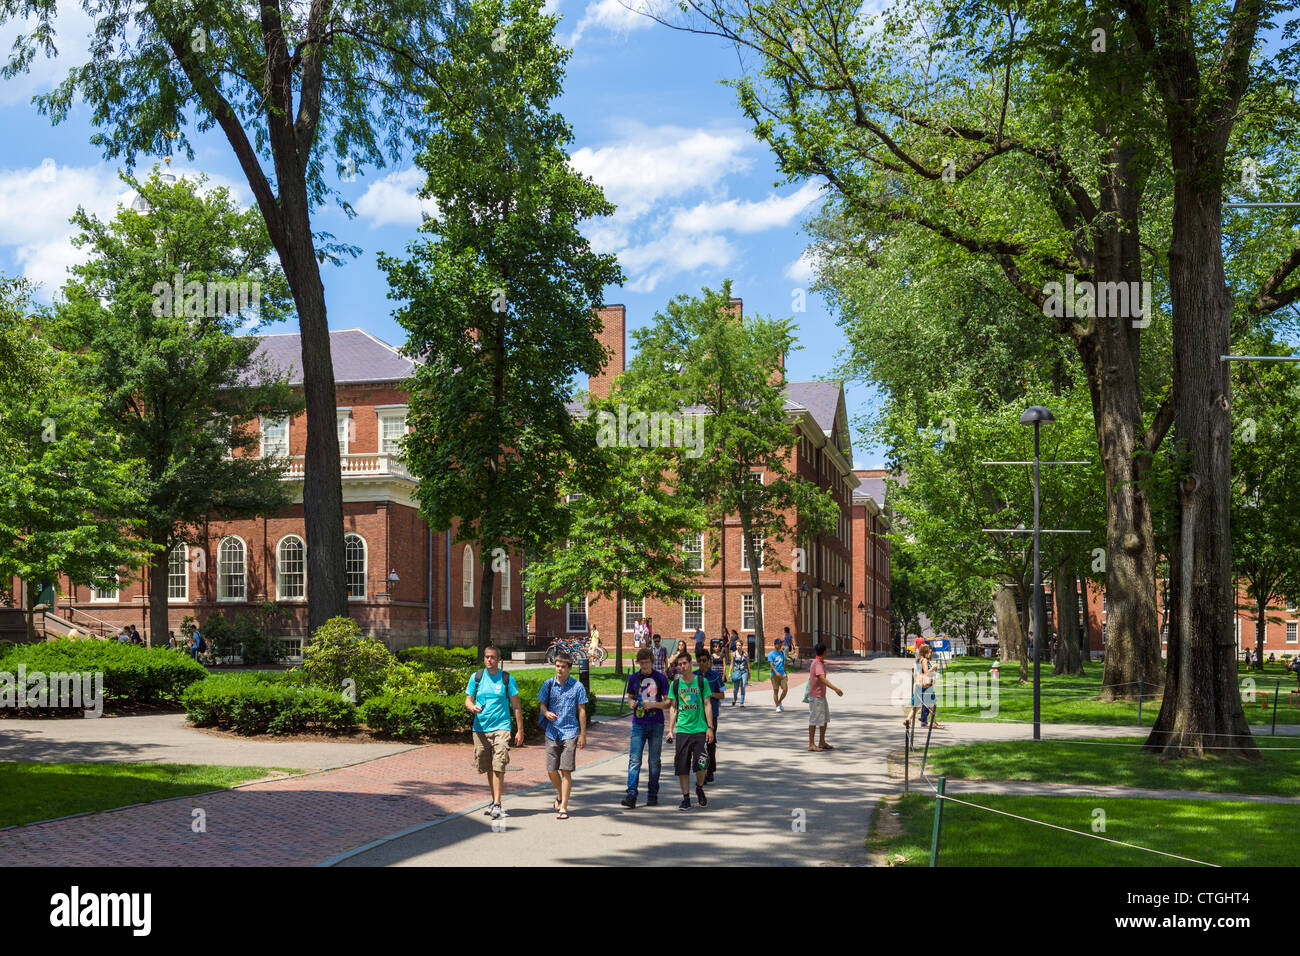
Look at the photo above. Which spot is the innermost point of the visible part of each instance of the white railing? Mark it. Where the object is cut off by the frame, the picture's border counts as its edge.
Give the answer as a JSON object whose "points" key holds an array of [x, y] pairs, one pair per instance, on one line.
{"points": [[368, 465]]}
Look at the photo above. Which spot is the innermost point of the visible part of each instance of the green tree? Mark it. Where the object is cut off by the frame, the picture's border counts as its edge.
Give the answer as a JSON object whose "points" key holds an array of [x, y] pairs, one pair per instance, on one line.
{"points": [[501, 304], [628, 518], [699, 356], [67, 487], [182, 389], [290, 88]]}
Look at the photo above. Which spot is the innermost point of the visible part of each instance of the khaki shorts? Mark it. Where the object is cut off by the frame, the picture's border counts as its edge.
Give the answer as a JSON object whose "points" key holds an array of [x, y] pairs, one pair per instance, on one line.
{"points": [[561, 754], [819, 712], [778, 681], [492, 751]]}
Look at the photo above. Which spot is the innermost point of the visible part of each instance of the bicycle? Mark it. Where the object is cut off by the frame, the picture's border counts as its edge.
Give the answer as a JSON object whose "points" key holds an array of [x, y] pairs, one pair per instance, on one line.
{"points": [[577, 650]]}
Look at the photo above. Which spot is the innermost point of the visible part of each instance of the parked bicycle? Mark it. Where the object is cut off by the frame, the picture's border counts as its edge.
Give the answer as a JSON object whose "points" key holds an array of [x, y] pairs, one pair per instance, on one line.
{"points": [[574, 648]]}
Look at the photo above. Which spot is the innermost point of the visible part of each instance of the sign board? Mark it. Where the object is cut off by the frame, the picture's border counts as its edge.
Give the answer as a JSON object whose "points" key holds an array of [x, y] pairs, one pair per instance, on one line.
{"points": [[942, 650]]}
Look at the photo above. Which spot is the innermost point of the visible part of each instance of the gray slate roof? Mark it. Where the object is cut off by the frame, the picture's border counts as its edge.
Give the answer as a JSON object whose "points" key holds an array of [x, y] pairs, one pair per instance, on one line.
{"points": [[873, 488], [822, 399], [357, 355]]}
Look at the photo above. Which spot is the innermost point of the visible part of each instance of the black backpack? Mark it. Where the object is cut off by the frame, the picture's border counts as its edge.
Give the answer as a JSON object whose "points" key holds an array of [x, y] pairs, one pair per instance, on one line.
{"points": [[700, 682], [203, 644], [478, 680]]}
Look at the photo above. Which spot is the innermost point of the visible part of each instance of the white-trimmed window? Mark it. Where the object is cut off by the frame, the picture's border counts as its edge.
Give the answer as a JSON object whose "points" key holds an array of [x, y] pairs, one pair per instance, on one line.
{"points": [[692, 612], [105, 595], [1290, 604], [1103, 635], [631, 611], [505, 585], [355, 565], [755, 548], [747, 611], [1105, 604], [693, 545], [392, 428], [1291, 632], [290, 569], [275, 438], [232, 570], [467, 577], [178, 572], [577, 615], [345, 429], [757, 478], [1164, 632]]}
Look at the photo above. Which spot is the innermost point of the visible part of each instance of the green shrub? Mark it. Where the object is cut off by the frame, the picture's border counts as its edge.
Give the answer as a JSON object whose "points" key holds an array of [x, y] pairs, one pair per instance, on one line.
{"points": [[134, 675], [408, 679], [435, 658], [263, 704], [338, 651], [409, 716]]}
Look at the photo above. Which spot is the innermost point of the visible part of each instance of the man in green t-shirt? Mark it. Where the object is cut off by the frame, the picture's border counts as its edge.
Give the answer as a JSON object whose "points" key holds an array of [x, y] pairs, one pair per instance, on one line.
{"points": [[690, 722]]}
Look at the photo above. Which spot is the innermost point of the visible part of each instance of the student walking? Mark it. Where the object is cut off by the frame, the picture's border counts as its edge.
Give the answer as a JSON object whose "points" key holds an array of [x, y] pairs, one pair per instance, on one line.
{"points": [[819, 712], [672, 665], [660, 655], [690, 729], [780, 684], [647, 695], [717, 692], [922, 690], [739, 674], [490, 696], [564, 708]]}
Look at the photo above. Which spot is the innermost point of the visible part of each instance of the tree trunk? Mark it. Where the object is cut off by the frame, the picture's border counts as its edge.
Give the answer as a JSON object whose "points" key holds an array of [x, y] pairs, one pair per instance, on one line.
{"points": [[618, 631], [485, 607], [1202, 705], [1012, 633], [322, 492], [158, 568], [754, 588], [1260, 625], [33, 593], [1066, 588], [1085, 632]]}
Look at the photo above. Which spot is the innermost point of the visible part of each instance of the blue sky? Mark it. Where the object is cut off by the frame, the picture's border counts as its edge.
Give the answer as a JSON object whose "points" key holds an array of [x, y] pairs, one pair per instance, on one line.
{"points": [[653, 126]]}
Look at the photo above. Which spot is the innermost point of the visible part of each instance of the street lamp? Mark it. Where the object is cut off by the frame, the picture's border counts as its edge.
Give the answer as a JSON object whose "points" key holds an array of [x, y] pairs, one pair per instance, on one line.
{"points": [[391, 580], [1036, 415]]}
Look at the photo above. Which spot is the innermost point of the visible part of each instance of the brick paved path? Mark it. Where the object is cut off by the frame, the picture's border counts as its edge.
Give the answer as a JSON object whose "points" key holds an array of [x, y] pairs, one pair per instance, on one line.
{"points": [[294, 821]]}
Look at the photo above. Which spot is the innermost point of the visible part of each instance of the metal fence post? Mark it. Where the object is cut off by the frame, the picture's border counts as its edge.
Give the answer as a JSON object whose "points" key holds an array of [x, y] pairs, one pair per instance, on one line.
{"points": [[1140, 700], [907, 759], [938, 822]]}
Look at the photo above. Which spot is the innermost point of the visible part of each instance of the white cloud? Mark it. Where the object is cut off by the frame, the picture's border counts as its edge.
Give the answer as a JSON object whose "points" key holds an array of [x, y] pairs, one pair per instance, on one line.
{"points": [[745, 216], [651, 262], [392, 201], [72, 28], [803, 268], [618, 16], [654, 163]]}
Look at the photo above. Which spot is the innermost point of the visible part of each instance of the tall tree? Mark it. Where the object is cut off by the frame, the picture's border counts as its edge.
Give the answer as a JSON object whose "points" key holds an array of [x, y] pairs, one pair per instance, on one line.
{"points": [[287, 86], [700, 356], [67, 488], [152, 318], [501, 303], [628, 518]]}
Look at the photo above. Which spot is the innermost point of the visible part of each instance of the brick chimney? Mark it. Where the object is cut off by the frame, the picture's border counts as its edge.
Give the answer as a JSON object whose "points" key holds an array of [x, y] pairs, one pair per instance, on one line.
{"points": [[613, 336]]}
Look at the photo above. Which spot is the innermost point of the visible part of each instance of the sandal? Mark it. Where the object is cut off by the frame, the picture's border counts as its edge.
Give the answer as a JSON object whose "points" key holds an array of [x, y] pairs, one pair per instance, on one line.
{"points": [[825, 747], [562, 815], [556, 805]]}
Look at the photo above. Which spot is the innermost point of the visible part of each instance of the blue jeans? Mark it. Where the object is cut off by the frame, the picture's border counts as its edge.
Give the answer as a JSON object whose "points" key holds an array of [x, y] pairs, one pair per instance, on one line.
{"points": [[642, 734], [738, 687]]}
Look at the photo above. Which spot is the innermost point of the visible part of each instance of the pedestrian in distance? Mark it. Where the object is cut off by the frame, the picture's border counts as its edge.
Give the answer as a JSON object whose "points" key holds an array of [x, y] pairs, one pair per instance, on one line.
{"points": [[819, 712], [647, 694], [699, 639], [789, 642], [564, 709], [739, 674], [672, 671], [717, 693], [660, 655], [780, 684], [690, 730], [490, 696], [922, 686]]}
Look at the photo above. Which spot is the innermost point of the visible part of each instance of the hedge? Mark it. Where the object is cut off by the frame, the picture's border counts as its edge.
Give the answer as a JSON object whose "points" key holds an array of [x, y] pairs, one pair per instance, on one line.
{"points": [[261, 704], [437, 658], [139, 675], [410, 716]]}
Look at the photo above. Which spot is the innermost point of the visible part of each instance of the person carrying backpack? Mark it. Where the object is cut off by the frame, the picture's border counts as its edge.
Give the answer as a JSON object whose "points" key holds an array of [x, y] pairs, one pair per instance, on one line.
{"points": [[564, 714], [490, 695], [691, 724]]}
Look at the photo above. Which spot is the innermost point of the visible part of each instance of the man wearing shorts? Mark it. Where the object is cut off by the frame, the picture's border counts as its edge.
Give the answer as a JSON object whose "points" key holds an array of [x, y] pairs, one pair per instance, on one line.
{"points": [[564, 705], [691, 723], [780, 685], [490, 696], [819, 712]]}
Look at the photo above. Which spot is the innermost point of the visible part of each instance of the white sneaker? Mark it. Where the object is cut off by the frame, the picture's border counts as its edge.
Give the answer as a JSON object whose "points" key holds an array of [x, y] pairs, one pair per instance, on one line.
{"points": [[780, 709], [496, 812]]}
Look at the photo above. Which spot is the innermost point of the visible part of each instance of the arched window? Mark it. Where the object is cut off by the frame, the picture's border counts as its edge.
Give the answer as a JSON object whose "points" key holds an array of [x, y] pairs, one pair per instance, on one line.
{"points": [[232, 579], [467, 577], [505, 585], [291, 569], [354, 564]]}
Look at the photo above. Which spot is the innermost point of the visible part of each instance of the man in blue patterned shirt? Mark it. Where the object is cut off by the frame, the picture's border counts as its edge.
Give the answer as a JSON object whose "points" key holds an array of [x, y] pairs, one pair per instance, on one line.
{"points": [[564, 706]]}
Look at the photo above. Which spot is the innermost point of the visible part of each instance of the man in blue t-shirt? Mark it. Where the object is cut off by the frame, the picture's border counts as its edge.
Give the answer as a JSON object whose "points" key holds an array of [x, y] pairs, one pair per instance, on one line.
{"points": [[780, 686], [490, 696], [704, 668], [647, 695], [564, 707]]}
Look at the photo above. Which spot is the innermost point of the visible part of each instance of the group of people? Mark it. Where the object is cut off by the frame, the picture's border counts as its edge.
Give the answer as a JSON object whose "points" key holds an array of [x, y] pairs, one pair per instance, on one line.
{"points": [[194, 644], [678, 701]]}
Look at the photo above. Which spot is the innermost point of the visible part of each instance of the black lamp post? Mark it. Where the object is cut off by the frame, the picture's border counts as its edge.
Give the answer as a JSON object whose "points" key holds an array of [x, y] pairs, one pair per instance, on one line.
{"points": [[1036, 415]]}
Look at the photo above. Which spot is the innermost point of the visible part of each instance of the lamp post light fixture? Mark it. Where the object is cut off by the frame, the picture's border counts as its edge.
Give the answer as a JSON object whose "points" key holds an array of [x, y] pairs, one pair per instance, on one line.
{"points": [[1036, 415], [389, 583]]}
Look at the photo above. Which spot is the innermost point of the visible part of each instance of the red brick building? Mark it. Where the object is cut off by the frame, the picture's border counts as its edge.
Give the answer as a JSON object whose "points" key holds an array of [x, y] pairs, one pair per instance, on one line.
{"points": [[812, 597], [871, 579], [406, 586]]}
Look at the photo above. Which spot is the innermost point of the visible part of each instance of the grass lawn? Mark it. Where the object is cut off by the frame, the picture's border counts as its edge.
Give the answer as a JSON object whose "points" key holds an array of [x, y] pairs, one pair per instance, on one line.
{"points": [[1278, 773], [1071, 700], [1226, 833], [41, 791]]}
